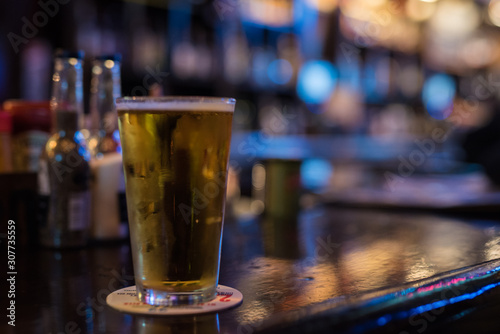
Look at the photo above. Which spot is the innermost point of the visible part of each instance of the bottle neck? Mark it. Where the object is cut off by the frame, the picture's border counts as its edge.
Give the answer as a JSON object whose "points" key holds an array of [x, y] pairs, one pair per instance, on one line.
{"points": [[105, 88], [67, 94]]}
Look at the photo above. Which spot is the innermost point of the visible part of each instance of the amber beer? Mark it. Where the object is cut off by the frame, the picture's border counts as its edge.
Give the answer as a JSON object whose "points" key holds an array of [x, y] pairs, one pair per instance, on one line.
{"points": [[175, 158]]}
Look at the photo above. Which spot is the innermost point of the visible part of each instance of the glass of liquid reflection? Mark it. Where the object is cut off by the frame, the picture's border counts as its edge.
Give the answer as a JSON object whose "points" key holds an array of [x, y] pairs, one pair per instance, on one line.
{"points": [[175, 158]]}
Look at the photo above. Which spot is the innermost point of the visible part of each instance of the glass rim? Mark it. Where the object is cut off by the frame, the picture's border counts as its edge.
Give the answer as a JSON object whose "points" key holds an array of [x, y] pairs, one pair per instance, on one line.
{"points": [[170, 98], [209, 103]]}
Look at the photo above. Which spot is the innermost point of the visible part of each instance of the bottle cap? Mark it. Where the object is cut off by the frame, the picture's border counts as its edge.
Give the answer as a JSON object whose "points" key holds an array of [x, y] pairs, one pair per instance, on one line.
{"points": [[5, 122]]}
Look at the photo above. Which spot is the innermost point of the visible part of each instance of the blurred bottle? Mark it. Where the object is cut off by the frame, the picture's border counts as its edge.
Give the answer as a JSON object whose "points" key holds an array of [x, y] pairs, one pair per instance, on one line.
{"points": [[108, 182], [105, 88], [236, 55], [31, 126], [64, 169], [282, 188], [5, 134]]}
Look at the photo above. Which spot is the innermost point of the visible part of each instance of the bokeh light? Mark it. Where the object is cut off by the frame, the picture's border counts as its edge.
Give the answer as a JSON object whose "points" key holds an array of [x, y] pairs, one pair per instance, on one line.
{"points": [[315, 173], [494, 12], [325, 6], [455, 19], [438, 94], [280, 71], [316, 81], [418, 10]]}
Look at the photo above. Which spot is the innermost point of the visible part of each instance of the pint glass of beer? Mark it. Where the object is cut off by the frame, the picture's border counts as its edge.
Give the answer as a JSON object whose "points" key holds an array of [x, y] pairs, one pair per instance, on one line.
{"points": [[175, 158]]}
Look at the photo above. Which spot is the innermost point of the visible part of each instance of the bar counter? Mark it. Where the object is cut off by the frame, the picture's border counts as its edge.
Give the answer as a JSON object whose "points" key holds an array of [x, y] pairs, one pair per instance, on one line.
{"points": [[327, 269]]}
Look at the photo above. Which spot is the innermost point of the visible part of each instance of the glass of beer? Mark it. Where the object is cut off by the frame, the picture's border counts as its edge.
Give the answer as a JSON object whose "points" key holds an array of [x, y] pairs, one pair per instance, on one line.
{"points": [[175, 159]]}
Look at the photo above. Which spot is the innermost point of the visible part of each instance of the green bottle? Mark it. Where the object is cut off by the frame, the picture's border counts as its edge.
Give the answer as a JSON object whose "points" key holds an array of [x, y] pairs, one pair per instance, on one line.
{"points": [[64, 168]]}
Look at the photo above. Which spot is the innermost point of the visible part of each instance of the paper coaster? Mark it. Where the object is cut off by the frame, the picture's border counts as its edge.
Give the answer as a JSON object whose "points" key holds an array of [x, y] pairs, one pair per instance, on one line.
{"points": [[125, 300]]}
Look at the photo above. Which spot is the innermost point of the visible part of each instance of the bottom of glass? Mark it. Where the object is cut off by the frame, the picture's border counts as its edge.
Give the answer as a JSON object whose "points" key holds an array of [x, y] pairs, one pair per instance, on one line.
{"points": [[158, 297]]}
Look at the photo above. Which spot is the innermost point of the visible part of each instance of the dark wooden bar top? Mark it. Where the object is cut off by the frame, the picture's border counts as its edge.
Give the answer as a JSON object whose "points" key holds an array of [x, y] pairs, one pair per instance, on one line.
{"points": [[327, 270]]}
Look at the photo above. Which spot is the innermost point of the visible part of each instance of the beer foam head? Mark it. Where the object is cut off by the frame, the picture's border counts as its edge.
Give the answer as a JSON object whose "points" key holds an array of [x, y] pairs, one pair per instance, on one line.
{"points": [[190, 103]]}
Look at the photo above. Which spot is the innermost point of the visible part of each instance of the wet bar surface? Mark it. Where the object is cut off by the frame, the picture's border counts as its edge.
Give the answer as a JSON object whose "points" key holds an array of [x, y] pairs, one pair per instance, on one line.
{"points": [[327, 270]]}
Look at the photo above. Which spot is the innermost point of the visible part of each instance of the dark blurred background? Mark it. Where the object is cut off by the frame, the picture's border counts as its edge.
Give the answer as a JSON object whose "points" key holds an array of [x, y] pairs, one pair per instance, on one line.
{"points": [[344, 66], [380, 72]]}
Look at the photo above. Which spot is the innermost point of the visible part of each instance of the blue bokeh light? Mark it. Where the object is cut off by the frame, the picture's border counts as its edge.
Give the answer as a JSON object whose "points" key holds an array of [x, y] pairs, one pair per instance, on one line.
{"points": [[260, 63], [316, 81], [315, 173], [280, 71], [78, 137], [437, 94]]}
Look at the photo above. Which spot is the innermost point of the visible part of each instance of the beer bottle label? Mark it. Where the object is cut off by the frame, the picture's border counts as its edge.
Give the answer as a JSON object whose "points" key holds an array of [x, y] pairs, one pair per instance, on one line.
{"points": [[78, 211]]}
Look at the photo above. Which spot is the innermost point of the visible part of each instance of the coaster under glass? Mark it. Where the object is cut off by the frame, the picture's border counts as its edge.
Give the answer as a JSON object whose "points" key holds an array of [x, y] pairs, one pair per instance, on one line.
{"points": [[125, 300]]}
